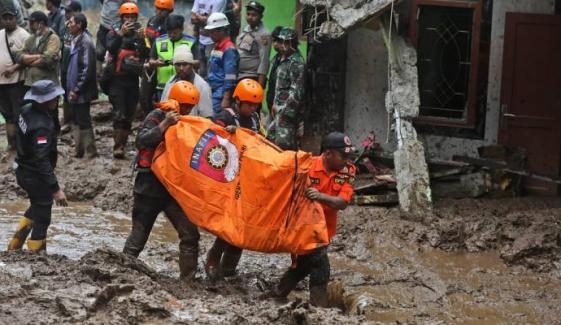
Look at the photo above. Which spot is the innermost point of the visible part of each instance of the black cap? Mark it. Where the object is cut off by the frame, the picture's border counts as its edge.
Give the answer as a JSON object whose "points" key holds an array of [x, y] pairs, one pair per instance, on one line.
{"points": [[73, 6], [256, 6], [338, 141], [8, 9], [38, 16]]}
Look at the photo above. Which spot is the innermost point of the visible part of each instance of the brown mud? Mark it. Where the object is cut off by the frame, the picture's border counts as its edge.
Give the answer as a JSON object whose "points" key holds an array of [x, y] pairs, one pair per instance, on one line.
{"points": [[473, 262]]}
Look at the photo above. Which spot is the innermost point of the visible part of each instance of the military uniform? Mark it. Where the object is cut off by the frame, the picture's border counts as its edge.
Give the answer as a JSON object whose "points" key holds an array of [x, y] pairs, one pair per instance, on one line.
{"points": [[151, 198], [289, 97], [254, 46]]}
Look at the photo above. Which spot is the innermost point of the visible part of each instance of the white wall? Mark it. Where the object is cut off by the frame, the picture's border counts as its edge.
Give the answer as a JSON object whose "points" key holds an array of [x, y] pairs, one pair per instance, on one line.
{"points": [[367, 82]]}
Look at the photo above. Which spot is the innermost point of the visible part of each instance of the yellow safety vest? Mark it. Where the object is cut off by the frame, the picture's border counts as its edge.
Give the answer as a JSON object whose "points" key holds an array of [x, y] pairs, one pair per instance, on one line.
{"points": [[165, 48]]}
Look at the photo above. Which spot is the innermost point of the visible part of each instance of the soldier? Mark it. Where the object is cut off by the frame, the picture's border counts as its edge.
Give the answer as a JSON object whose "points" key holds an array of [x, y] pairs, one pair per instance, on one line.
{"points": [[289, 93], [223, 258], [254, 45], [36, 161], [161, 54], [126, 45], [332, 175], [150, 196]]}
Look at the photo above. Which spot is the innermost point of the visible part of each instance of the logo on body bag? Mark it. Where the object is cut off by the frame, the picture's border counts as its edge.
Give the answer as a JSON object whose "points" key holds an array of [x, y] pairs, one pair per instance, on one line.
{"points": [[216, 157]]}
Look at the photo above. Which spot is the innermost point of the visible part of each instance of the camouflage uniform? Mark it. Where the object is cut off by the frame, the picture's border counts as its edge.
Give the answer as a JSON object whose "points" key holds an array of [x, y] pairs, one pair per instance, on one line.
{"points": [[289, 96]]}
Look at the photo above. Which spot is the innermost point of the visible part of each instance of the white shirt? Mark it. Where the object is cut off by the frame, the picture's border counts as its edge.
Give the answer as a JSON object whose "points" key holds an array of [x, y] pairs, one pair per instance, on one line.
{"points": [[16, 41], [204, 107], [208, 7]]}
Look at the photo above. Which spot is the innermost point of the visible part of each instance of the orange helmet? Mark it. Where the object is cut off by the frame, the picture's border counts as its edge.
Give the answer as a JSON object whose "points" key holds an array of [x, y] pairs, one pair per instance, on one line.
{"points": [[184, 92], [164, 4], [128, 8], [249, 90]]}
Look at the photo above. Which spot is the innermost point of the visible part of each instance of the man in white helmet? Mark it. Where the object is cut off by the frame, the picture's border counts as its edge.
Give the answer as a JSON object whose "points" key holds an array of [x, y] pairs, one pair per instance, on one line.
{"points": [[223, 64], [200, 13]]}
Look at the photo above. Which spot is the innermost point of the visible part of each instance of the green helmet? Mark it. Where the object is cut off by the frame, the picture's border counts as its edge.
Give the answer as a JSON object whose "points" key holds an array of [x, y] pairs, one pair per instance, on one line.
{"points": [[288, 34]]}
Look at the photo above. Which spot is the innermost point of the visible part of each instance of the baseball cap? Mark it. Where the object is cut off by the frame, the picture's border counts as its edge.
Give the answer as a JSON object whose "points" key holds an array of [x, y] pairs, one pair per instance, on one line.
{"points": [[254, 5], [338, 141]]}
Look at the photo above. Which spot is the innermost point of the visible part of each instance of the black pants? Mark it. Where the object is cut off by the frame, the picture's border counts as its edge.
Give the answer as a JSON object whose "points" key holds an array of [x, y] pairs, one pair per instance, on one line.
{"points": [[81, 115], [41, 202], [123, 95], [11, 101], [314, 264], [144, 213]]}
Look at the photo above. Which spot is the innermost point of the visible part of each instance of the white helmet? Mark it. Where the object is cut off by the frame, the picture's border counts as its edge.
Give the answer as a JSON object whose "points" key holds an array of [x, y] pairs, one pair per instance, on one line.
{"points": [[216, 20]]}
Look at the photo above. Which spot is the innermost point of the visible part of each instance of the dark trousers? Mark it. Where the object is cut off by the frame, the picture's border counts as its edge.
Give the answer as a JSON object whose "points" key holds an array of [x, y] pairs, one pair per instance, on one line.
{"points": [[314, 264], [81, 115], [41, 202], [11, 100], [228, 256], [123, 95], [144, 213]]}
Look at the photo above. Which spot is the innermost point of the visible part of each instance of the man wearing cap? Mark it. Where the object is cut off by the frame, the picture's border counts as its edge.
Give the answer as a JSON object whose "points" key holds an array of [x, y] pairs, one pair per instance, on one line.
{"points": [[73, 7], [12, 40], [254, 45], [41, 53], [332, 176], [185, 70], [16, 5], [162, 52], [56, 16], [223, 62], [36, 161], [202, 9], [287, 108]]}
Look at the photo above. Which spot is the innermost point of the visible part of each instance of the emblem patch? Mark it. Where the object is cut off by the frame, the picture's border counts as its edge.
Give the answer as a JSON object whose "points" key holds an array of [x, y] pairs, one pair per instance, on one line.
{"points": [[216, 157], [315, 181]]}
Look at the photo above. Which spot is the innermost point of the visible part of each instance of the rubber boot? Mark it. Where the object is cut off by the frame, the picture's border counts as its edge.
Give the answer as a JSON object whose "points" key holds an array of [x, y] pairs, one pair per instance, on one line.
{"points": [[66, 118], [23, 230], [78, 142], [88, 142], [287, 283], [319, 296], [11, 135], [212, 264], [37, 246], [230, 260], [188, 266], [120, 137]]}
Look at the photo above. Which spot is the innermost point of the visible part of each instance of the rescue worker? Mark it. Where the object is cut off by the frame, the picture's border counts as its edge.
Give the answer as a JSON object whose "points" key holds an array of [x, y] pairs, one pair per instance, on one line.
{"points": [[81, 85], [36, 161], [223, 63], [155, 28], [73, 7], [202, 9], [332, 175], [223, 258], [287, 111], [12, 40], [254, 45], [110, 18], [161, 54], [184, 64], [150, 196], [128, 51]]}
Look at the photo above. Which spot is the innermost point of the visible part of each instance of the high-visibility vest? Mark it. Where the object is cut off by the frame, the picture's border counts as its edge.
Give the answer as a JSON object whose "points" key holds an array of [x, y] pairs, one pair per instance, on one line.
{"points": [[165, 48]]}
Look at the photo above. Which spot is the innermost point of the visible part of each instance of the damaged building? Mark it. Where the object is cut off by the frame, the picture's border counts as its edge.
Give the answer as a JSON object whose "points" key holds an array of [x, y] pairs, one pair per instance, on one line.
{"points": [[488, 74]]}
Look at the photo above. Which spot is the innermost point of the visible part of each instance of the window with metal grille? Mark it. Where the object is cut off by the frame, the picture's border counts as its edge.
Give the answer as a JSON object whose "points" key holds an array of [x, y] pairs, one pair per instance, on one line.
{"points": [[446, 34]]}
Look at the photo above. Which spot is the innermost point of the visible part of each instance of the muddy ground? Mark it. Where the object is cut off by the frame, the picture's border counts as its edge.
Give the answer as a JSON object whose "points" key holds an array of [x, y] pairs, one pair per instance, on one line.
{"points": [[473, 262]]}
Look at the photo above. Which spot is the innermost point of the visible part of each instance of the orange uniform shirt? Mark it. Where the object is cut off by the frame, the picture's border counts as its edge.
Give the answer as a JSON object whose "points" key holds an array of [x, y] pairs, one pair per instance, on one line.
{"points": [[335, 184]]}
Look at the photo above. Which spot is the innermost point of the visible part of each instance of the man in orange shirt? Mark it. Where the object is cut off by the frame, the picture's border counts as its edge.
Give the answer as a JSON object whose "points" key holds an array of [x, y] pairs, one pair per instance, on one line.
{"points": [[332, 175]]}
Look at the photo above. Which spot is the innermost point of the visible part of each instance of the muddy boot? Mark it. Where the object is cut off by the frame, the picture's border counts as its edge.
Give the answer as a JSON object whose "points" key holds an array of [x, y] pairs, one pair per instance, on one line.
{"points": [[230, 260], [88, 141], [319, 296], [37, 246], [212, 264], [78, 142], [287, 283], [188, 266], [66, 118], [24, 227], [11, 136], [120, 137]]}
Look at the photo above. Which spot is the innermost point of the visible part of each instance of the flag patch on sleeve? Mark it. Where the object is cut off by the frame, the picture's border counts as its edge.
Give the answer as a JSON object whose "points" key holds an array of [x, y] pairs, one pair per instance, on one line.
{"points": [[41, 140]]}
